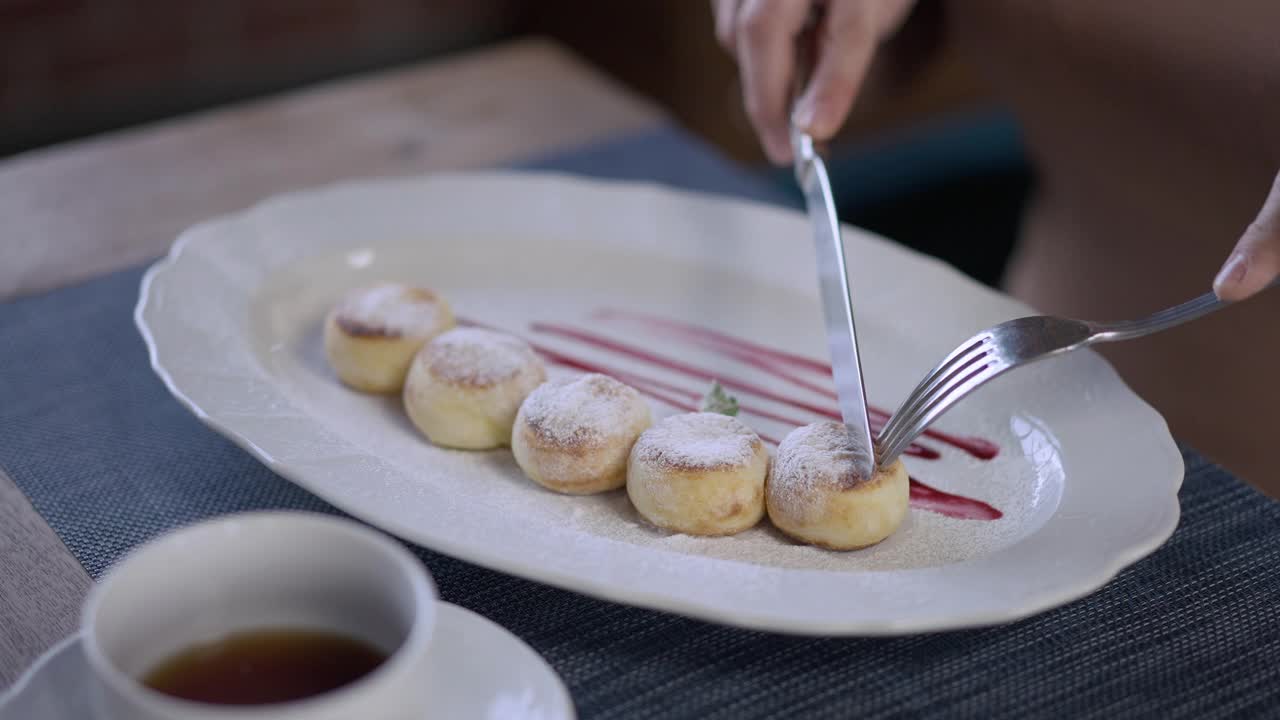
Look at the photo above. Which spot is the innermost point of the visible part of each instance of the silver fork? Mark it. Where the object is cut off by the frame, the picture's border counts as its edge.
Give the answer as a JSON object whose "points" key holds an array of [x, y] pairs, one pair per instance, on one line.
{"points": [[1013, 344]]}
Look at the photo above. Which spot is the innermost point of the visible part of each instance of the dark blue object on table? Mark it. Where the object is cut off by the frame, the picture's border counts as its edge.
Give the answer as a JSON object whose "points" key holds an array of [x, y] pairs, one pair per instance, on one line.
{"points": [[109, 459]]}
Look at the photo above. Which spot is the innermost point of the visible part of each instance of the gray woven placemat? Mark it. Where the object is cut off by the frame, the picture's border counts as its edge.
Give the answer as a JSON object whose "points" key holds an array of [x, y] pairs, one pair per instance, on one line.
{"points": [[110, 459]]}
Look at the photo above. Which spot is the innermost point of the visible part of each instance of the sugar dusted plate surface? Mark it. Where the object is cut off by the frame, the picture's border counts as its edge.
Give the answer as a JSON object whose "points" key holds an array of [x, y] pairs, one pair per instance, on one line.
{"points": [[1085, 480]]}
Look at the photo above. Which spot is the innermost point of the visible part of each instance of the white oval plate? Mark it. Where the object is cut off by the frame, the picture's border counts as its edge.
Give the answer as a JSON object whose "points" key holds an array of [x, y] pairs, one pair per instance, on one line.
{"points": [[479, 670], [1086, 477]]}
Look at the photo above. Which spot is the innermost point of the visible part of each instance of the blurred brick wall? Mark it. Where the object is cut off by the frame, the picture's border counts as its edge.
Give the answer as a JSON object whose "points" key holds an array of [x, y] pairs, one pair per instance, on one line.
{"points": [[73, 66]]}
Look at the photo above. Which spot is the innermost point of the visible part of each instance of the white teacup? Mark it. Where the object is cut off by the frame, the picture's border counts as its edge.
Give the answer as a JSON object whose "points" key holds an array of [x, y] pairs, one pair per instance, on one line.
{"points": [[262, 570]]}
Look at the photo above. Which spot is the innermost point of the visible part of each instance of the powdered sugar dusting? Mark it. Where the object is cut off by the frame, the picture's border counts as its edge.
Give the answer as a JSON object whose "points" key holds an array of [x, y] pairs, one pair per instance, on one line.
{"points": [[814, 459], [392, 309], [698, 441], [584, 411], [478, 357]]}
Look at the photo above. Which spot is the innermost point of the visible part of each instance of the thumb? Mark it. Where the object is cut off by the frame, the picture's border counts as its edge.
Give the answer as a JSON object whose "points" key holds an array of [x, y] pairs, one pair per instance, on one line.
{"points": [[1255, 261]]}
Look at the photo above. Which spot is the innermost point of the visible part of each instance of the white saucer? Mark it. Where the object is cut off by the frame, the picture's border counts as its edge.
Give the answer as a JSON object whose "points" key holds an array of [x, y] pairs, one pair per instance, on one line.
{"points": [[481, 671]]}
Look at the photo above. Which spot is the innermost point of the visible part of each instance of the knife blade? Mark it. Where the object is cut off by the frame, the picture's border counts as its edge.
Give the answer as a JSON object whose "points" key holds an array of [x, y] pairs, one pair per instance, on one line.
{"points": [[837, 306]]}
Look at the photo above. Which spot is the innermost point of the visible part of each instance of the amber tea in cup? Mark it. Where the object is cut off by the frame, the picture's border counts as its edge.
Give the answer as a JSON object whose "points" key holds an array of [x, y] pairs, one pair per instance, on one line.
{"points": [[258, 667]]}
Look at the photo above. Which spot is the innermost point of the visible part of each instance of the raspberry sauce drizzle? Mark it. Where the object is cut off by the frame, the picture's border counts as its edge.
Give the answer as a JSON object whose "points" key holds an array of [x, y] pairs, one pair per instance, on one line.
{"points": [[762, 355], [685, 399], [707, 336], [923, 496], [927, 497], [977, 447]]}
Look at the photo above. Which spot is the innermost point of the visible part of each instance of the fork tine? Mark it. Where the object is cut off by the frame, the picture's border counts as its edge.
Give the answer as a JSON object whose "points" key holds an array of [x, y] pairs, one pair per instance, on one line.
{"points": [[936, 385], [963, 356], [940, 401]]}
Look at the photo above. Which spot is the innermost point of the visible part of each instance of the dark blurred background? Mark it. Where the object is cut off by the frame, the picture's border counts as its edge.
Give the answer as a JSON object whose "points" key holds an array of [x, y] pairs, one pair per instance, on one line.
{"points": [[926, 159]]}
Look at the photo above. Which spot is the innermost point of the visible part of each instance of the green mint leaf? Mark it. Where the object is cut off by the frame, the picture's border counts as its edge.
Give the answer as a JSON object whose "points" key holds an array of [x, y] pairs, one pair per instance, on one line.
{"points": [[718, 401]]}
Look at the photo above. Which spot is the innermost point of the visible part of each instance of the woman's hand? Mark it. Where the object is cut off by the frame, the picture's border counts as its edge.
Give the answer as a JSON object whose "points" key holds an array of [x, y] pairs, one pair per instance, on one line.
{"points": [[762, 35], [1256, 258]]}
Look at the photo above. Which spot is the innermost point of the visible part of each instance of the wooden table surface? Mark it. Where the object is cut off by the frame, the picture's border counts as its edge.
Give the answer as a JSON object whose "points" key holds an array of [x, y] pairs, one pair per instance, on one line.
{"points": [[79, 210]]}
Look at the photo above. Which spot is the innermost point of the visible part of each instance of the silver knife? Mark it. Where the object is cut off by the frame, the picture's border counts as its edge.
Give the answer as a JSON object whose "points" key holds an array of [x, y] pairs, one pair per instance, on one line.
{"points": [[833, 282]]}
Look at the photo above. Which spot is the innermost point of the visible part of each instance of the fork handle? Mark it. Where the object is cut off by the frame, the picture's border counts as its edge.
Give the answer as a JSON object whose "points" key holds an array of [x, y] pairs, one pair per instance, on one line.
{"points": [[1163, 320]]}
